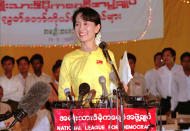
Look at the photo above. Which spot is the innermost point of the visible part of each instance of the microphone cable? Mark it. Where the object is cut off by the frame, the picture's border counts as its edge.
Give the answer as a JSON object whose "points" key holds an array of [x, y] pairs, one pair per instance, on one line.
{"points": [[111, 104], [117, 110], [71, 117], [150, 124]]}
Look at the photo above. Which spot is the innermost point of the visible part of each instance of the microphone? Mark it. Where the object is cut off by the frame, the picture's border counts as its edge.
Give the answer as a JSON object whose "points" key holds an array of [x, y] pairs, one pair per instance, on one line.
{"points": [[32, 101], [90, 96], [102, 81], [84, 88], [113, 77], [103, 46], [67, 92]]}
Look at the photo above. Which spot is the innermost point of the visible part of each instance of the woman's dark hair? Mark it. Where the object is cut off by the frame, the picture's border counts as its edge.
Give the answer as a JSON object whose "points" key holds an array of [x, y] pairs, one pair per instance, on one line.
{"points": [[88, 14]]}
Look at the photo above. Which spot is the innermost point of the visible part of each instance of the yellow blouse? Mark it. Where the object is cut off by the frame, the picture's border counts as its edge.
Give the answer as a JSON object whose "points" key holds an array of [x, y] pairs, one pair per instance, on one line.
{"points": [[83, 67]]}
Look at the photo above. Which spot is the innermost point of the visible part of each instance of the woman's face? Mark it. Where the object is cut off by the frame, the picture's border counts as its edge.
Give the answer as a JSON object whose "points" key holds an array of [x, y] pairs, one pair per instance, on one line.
{"points": [[85, 30]]}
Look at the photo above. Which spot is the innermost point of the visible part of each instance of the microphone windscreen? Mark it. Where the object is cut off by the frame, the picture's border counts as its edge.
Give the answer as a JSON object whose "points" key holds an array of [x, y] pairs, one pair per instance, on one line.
{"points": [[89, 98], [113, 77], [84, 88], [36, 96], [91, 95], [67, 90], [103, 45], [102, 79]]}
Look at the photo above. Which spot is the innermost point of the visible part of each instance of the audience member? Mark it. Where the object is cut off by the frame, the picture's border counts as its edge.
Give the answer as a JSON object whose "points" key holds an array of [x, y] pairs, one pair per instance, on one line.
{"points": [[181, 87], [166, 74], [55, 83], [3, 106], [23, 67], [43, 119], [152, 75], [54, 91], [137, 85], [37, 65], [12, 86]]}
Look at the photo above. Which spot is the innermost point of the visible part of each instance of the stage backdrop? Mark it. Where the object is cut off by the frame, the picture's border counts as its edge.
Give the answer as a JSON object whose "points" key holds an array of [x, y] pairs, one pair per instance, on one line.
{"points": [[49, 22]]}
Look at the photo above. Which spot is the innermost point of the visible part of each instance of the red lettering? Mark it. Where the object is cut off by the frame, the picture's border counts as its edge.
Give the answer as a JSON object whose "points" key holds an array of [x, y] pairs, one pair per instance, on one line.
{"points": [[47, 4], [103, 17], [2, 5]]}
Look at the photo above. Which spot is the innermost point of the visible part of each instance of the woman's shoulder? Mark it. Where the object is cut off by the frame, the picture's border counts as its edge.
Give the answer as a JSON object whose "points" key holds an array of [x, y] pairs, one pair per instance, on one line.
{"points": [[71, 54]]}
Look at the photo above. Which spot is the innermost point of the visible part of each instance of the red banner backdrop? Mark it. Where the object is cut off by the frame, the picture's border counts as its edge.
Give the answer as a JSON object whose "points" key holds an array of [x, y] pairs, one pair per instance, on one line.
{"points": [[104, 119]]}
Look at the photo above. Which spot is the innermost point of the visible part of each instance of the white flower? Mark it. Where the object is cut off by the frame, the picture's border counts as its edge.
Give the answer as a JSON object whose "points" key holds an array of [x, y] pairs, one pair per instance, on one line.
{"points": [[98, 39]]}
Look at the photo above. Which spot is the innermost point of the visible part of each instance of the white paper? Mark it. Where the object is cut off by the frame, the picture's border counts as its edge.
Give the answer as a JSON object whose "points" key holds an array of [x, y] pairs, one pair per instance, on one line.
{"points": [[125, 70]]}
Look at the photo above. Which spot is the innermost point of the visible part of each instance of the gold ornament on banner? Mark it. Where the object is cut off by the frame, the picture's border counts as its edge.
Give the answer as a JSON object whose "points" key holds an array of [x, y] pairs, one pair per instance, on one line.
{"points": [[185, 1]]}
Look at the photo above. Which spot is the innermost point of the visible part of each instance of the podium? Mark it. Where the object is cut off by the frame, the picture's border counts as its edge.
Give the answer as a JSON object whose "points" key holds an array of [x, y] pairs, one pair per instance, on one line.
{"points": [[102, 119]]}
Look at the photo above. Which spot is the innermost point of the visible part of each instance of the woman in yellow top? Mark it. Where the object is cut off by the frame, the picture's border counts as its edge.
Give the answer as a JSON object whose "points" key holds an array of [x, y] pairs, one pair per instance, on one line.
{"points": [[87, 64]]}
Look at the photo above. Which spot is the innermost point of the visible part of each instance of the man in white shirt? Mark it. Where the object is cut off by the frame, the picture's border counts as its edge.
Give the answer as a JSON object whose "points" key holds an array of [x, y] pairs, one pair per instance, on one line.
{"points": [[4, 108], [37, 65], [151, 77], [41, 123], [166, 74], [181, 87], [137, 85], [23, 64], [12, 86]]}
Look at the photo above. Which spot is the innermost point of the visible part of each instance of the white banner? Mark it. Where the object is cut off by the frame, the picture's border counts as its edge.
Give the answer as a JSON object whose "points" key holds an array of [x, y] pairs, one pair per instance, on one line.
{"points": [[46, 22]]}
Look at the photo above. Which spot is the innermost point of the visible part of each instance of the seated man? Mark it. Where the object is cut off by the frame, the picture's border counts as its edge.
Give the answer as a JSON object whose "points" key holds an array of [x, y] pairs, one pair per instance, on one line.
{"points": [[37, 65], [3, 106], [42, 119], [55, 83], [12, 86], [23, 67], [137, 85]]}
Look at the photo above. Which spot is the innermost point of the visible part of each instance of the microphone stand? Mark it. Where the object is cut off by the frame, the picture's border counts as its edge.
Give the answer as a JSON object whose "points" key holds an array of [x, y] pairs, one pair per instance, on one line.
{"points": [[160, 118], [71, 116], [103, 46]]}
